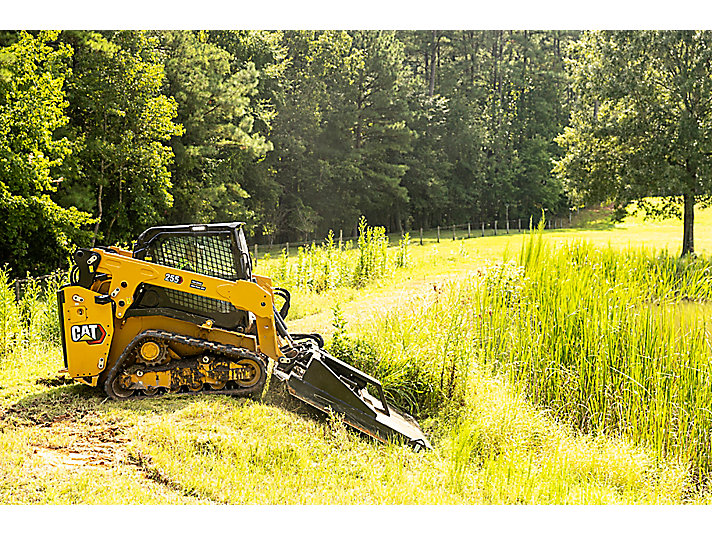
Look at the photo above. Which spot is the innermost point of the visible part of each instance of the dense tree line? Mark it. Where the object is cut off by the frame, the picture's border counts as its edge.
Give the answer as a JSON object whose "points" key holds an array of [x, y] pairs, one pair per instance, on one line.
{"points": [[295, 132]]}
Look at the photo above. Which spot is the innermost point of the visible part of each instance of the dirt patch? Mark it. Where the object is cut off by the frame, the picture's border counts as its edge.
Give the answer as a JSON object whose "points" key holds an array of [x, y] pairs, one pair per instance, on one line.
{"points": [[40, 414], [64, 434], [76, 445]]}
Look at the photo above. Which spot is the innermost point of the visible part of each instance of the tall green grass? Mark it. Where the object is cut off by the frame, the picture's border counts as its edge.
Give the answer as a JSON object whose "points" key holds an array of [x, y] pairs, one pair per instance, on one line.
{"points": [[334, 264], [31, 320], [612, 342]]}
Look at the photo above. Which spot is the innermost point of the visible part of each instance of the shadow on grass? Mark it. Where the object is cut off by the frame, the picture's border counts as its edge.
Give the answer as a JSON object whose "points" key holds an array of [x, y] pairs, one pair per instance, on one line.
{"points": [[74, 401], [601, 218], [56, 403]]}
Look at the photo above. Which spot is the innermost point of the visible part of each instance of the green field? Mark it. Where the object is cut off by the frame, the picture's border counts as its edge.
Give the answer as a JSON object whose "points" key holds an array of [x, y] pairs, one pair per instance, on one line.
{"points": [[567, 368]]}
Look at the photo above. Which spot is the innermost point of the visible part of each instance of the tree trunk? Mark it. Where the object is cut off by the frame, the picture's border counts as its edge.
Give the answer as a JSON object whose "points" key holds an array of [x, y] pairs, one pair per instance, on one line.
{"points": [[118, 207], [397, 220], [98, 217], [688, 225], [434, 51], [101, 190]]}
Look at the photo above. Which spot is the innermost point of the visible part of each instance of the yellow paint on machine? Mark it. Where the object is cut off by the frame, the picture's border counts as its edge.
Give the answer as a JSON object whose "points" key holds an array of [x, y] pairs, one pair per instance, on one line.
{"points": [[88, 331], [96, 333]]}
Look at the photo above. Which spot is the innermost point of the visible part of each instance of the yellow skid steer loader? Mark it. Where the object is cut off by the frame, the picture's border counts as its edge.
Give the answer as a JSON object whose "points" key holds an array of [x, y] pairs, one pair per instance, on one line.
{"points": [[184, 314]]}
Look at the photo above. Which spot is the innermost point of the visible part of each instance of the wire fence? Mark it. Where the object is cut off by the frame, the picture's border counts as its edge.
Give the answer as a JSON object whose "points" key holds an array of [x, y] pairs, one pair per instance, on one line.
{"points": [[453, 232]]}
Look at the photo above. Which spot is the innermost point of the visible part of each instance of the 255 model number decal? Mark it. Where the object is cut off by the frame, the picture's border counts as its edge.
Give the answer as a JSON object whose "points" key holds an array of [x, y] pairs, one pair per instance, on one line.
{"points": [[176, 279]]}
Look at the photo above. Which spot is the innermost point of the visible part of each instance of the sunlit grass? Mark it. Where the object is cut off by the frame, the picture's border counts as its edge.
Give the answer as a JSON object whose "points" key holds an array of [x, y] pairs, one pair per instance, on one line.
{"points": [[250, 453], [523, 378]]}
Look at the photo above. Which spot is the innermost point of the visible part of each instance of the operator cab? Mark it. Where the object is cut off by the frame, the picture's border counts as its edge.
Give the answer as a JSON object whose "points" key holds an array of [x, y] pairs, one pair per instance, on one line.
{"points": [[218, 250]]}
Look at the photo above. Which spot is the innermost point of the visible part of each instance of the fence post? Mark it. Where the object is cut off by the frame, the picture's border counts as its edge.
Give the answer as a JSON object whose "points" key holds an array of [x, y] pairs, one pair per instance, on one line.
{"points": [[468, 231], [421, 236], [453, 232], [495, 227], [549, 224], [438, 234]]}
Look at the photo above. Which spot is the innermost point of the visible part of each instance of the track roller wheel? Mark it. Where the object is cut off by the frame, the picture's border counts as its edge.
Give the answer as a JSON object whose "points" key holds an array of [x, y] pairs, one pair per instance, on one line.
{"points": [[254, 373], [195, 386], [119, 392]]}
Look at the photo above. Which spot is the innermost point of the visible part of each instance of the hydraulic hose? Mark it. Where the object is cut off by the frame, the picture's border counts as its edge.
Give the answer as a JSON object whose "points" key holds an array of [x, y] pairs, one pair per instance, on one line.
{"points": [[280, 324]]}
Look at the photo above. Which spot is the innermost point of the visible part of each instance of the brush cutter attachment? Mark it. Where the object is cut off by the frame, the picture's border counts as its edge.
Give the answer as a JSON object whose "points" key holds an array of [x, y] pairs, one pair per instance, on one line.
{"points": [[330, 385]]}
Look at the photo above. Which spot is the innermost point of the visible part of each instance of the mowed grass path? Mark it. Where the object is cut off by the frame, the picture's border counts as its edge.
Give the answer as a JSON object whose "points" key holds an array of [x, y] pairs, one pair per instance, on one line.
{"points": [[63, 443], [438, 262]]}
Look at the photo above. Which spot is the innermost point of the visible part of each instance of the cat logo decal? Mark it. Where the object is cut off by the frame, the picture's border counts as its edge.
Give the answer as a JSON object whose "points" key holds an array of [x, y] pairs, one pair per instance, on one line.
{"points": [[93, 334]]}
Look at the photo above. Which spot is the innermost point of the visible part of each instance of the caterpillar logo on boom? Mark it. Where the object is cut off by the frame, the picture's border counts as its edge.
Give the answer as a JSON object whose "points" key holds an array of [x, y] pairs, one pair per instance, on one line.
{"points": [[93, 334]]}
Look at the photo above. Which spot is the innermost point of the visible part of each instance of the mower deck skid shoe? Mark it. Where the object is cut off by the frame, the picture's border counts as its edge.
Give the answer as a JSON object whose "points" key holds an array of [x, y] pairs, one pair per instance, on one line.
{"points": [[329, 384]]}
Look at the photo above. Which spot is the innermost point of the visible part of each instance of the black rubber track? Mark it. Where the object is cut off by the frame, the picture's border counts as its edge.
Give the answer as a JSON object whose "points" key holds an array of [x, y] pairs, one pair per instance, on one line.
{"points": [[230, 351]]}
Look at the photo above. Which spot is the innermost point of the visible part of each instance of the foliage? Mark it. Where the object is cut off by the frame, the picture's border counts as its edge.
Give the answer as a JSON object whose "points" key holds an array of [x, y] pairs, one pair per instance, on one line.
{"points": [[36, 233], [641, 125], [119, 124], [32, 320], [299, 132], [372, 255], [330, 265], [215, 108], [489, 104], [293, 132], [10, 325], [402, 258]]}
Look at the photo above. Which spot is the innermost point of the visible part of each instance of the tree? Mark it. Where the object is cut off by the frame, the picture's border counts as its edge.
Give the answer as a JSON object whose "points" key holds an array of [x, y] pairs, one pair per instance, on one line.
{"points": [[216, 110], [484, 139], [341, 135], [263, 51], [642, 125], [120, 124], [376, 106], [36, 234]]}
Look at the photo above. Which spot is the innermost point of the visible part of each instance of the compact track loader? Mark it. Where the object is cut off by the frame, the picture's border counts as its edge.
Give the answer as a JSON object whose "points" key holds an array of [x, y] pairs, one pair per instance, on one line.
{"points": [[184, 314]]}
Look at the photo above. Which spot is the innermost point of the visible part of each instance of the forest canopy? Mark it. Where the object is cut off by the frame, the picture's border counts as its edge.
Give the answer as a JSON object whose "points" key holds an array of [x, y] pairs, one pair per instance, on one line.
{"points": [[104, 133]]}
